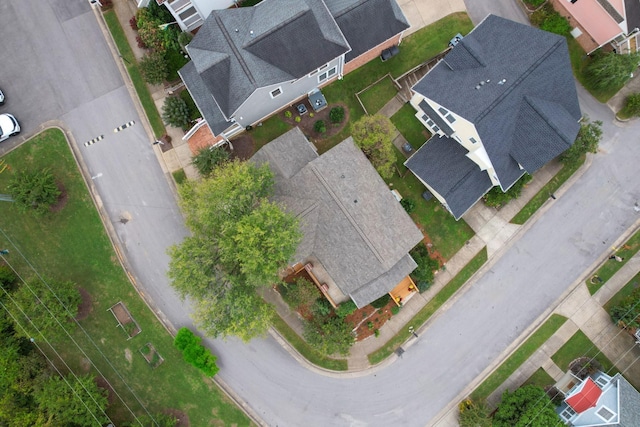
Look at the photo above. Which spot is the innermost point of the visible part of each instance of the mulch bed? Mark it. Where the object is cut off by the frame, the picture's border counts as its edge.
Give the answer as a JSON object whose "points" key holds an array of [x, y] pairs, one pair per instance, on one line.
{"points": [[307, 122], [243, 147], [85, 306], [124, 318], [360, 319]]}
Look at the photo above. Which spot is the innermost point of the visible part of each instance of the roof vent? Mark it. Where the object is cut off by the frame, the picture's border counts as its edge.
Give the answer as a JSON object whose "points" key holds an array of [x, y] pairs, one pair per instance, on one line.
{"points": [[478, 87], [251, 33], [236, 30], [482, 83], [503, 81]]}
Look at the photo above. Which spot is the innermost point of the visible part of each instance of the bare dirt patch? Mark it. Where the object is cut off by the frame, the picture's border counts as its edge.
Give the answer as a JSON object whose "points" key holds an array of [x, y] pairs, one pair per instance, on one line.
{"points": [[182, 419], [85, 306], [151, 355], [103, 383], [128, 355], [125, 319], [243, 147], [63, 198]]}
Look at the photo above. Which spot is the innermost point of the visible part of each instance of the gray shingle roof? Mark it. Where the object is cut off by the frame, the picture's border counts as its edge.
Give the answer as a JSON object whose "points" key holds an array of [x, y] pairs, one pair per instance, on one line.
{"points": [[367, 23], [629, 403], [239, 50], [351, 222], [540, 71], [442, 163]]}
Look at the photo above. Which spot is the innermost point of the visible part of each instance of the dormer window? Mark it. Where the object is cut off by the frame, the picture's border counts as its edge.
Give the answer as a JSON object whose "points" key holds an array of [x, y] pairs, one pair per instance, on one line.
{"points": [[605, 413], [446, 114]]}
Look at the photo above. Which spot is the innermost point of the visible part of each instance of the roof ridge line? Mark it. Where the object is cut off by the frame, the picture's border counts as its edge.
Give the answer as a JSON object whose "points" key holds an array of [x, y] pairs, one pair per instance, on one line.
{"points": [[346, 213], [516, 83], [236, 51], [282, 24]]}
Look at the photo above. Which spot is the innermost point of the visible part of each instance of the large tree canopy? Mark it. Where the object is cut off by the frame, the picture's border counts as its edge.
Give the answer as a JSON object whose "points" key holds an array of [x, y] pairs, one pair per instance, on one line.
{"points": [[240, 243], [528, 406], [374, 136], [611, 70], [587, 141]]}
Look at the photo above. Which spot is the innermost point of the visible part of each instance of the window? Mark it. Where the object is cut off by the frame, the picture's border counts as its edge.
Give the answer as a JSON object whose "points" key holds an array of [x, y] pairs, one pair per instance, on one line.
{"points": [[568, 413], [473, 140], [443, 111], [450, 118], [605, 413], [436, 129], [602, 381], [276, 92], [326, 74]]}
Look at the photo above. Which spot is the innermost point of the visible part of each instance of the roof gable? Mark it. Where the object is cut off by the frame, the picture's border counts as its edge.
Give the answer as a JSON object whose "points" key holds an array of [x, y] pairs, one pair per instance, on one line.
{"points": [[585, 397]]}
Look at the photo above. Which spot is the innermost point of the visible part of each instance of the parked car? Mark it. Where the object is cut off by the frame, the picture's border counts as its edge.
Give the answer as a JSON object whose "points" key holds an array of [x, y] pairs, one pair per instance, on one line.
{"points": [[8, 126], [1, 97]]}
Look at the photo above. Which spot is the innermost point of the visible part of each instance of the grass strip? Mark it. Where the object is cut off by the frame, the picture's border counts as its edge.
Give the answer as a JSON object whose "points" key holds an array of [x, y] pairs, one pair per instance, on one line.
{"points": [[579, 345], [611, 267], [431, 307], [410, 127], [378, 95], [71, 244], [626, 290], [509, 366], [549, 188], [305, 349], [131, 64]]}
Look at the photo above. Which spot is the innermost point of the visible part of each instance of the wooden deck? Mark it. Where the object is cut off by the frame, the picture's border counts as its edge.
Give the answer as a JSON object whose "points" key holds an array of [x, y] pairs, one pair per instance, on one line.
{"points": [[403, 291]]}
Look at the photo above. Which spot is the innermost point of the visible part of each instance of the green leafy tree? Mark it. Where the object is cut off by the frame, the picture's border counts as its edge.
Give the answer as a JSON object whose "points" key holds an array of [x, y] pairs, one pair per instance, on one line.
{"points": [[329, 336], [610, 70], [424, 273], [154, 68], [556, 23], [233, 310], [587, 141], [194, 268], [262, 243], [175, 112], [527, 406], [8, 279], [336, 115], [497, 198], [632, 105], [34, 191], [195, 353], [474, 414], [71, 403], [42, 309], [627, 312], [208, 158], [301, 292], [374, 135]]}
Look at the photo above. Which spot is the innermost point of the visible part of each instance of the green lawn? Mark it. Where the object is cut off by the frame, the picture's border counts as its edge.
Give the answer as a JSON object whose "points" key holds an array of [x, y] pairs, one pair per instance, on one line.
{"points": [[509, 366], [430, 308], [446, 234], [410, 127], [611, 267], [378, 95], [72, 245], [305, 349], [540, 378], [414, 50], [581, 346], [134, 72], [271, 128], [543, 195], [631, 285]]}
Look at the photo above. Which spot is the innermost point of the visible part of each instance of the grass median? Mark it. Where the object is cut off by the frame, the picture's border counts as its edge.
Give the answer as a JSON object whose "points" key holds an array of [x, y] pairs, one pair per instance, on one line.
{"points": [[71, 244], [131, 65], [431, 307], [509, 366]]}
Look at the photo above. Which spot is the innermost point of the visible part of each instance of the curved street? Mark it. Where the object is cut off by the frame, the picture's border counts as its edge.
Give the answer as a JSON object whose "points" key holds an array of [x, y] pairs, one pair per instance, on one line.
{"points": [[63, 64]]}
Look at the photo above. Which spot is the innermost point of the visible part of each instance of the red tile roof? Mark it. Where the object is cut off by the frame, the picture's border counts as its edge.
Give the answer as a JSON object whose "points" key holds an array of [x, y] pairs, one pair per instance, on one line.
{"points": [[585, 398]]}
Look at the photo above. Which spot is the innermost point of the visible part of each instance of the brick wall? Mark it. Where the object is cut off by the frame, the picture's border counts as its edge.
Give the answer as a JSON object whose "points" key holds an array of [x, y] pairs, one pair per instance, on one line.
{"points": [[370, 54]]}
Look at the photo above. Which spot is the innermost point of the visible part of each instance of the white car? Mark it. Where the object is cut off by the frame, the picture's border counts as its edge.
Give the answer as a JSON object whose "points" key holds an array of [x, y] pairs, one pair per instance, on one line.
{"points": [[8, 126], [1, 98]]}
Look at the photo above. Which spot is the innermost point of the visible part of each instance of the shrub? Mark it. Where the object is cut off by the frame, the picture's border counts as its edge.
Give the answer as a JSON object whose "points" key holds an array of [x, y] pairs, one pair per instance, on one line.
{"points": [[535, 3], [175, 112], [382, 301], [346, 308], [336, 115], [321, 308], [320, 126], [395, 310], [423, 274], [611, 70], [195, 353], [376, 333], [584, 366], [141, 43], [300, 292], [288, 114], [133, 23], [632, 105], [587, 141], [154, 68], [627, 311], [311, 115], [298, 119], [208, 158], [329, 336], [556, 23], [34, 190], [408, 204], [496, 197]]}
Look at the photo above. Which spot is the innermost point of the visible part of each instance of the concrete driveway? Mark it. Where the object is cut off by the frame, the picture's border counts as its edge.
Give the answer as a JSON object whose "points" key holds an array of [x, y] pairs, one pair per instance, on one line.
{"points": [[510, 9]]}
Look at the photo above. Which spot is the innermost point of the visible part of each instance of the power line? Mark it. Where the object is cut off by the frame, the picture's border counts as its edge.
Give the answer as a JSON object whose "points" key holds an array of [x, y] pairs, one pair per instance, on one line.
{"points": [[80, 326], [73, 390]]}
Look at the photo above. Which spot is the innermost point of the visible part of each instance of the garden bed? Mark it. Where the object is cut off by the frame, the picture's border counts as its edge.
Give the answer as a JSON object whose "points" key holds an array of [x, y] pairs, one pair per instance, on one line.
{"points": [[125, 320], [308, 121], [368, 319], [151, 355]]}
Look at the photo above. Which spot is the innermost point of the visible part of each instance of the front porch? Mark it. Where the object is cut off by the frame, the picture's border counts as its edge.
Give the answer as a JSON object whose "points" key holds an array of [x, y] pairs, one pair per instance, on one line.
{"points": [[403, 291]]}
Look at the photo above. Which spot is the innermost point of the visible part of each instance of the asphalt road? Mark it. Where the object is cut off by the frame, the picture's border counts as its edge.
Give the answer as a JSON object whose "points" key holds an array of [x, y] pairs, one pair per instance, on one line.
{"points": [[68, 74]]}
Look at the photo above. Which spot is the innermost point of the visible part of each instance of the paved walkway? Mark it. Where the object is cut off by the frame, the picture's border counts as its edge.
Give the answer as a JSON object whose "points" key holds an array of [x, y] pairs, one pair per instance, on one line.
{"points": [[633, 86]]}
